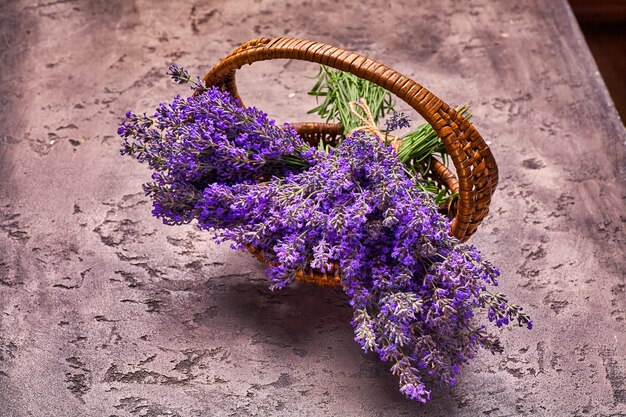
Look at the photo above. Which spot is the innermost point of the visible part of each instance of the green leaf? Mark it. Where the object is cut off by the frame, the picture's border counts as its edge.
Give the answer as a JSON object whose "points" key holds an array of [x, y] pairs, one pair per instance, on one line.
{"points": [[338, 88], [335, 89]]}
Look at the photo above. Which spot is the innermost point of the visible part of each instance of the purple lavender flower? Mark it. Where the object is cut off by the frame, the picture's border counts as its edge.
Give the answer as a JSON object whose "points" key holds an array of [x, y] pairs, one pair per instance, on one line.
{"points": [[178, 74], [191, 143], [415, 290], [397, 120]]}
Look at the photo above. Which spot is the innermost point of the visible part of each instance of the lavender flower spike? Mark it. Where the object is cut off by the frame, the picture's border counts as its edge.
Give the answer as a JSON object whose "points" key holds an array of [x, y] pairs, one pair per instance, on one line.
{"points": [[418, 294]]}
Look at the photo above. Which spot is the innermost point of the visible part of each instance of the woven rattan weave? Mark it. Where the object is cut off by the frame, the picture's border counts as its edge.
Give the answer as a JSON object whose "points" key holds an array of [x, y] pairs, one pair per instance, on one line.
{"points": [[476, 170]]}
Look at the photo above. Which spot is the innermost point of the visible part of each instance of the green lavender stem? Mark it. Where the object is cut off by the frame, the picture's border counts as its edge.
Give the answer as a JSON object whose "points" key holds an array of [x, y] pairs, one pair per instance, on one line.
{"points": [[418, 145], [339, 88]]}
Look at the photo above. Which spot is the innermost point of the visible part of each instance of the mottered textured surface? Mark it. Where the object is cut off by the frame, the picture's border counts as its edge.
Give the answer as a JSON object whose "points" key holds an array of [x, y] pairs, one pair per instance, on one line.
{"points": [[106, 312]]}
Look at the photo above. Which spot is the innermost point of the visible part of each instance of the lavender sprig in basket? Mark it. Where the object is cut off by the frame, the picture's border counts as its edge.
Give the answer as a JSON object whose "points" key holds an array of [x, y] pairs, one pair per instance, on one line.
{"points": [[415, 289]]}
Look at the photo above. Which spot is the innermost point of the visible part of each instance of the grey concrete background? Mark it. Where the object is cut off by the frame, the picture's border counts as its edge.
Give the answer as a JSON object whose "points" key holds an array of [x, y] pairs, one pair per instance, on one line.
{"points": [[106, 312]]}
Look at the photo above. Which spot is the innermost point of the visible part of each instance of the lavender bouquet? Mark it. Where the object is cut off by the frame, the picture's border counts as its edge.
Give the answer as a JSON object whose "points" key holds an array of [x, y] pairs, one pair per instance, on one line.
{"points": [[416, 291]]}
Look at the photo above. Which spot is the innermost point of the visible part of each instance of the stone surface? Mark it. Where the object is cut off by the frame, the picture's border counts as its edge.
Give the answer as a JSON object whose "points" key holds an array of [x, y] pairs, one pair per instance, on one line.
{"points": [[106, 312]]}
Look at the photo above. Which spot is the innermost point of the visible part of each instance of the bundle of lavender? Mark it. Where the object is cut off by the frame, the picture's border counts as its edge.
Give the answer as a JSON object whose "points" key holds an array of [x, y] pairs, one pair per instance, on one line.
{"points": [[417, 293]]}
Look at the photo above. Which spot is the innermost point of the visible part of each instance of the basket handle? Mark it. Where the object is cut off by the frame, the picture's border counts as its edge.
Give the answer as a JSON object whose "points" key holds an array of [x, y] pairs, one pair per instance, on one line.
{"points": [[475, 165]]}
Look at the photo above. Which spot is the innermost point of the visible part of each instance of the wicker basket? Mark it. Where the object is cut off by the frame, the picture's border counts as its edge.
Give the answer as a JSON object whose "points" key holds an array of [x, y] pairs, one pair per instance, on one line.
{"points": [[475, 165]]}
